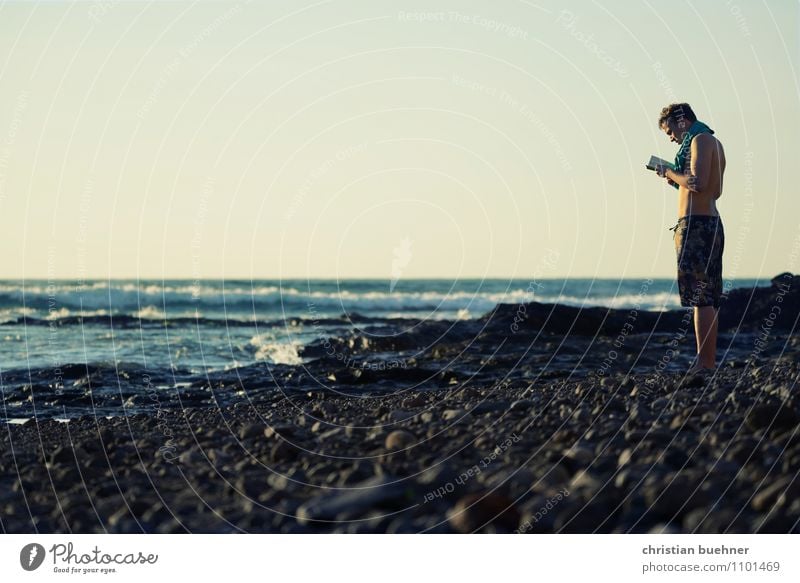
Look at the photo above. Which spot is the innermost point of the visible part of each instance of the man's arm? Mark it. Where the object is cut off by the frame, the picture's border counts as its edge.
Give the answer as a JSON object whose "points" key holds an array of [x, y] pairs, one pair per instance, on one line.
{"points": [[696, 179]]}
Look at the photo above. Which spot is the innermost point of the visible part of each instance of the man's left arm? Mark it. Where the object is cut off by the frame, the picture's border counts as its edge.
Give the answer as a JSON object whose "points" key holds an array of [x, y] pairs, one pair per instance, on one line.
{"points": [[696, 179]]}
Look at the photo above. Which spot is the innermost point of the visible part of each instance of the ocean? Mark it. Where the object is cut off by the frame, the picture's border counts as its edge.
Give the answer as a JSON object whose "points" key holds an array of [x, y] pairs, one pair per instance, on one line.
{"points": [[217, 325]]}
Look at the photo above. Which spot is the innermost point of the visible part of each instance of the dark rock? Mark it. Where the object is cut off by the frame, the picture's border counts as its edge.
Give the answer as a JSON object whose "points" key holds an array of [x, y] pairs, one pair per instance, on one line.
{"points": [[399, 416], [783, 489], [377, 492], [283, 452], [284, 430], [521, 405], [251, 430], [676, 494], [484, 510], [773, 415], [490, 407]]}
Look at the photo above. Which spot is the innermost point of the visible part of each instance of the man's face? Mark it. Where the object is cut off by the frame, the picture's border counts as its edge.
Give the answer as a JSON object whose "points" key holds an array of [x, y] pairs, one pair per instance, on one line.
{"points": [[674, 133]]}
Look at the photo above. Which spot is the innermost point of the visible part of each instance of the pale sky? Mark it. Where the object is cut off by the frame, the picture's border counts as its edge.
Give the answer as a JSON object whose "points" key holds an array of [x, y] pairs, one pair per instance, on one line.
{"points": [[368, 138]]}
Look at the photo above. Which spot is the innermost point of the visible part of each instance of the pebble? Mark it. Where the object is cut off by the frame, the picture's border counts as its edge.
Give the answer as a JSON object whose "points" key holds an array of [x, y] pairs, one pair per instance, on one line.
{"points": [[356, 501], [400, 439], [482, 511], [280, 430], [282, 452], [251, 430], [399, 416], [453, 414]]}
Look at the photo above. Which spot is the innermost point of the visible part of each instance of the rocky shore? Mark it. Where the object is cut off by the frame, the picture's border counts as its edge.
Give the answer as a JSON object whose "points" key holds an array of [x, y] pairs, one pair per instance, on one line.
{"points": [[534, 418]]}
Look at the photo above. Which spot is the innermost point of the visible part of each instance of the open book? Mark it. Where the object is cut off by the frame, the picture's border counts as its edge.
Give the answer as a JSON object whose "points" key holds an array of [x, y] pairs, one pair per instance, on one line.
{"points": [[655, 161]]}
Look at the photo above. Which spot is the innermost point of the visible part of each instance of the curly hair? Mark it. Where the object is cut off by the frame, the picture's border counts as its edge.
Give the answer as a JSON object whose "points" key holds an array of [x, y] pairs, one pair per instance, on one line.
{"points": [[680, 112]]}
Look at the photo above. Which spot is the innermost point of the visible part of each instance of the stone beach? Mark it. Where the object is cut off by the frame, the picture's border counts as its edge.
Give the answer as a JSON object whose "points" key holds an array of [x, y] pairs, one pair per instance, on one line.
{"points": [[534, 418]]}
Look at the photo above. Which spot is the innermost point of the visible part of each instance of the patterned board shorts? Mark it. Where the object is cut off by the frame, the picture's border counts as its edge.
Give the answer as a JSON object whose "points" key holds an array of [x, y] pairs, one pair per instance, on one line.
{"points": [[699, 242]]}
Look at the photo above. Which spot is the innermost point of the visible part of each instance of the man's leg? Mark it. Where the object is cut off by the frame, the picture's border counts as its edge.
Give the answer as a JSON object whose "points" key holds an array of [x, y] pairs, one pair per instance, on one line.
{"points": [[706, 320]]}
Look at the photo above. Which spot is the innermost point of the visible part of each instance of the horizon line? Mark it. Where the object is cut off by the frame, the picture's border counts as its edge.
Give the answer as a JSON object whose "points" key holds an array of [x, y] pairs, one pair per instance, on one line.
{"points": [[261, 278]]}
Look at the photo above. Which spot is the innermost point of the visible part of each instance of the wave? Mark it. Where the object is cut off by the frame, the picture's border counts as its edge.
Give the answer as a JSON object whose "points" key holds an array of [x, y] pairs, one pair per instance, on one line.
{"points": [[154, 318], [243, 303], [150, 313], [289, 300], [376, 310], [267, 348], [50, 289]]}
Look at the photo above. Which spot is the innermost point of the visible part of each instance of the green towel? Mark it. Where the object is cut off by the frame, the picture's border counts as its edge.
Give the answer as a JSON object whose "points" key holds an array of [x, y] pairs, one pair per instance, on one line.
{"points": [[697, 127]]}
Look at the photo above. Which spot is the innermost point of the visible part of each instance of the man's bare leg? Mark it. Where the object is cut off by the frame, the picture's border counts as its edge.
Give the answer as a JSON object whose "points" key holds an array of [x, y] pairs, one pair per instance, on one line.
{"points": [[706, 322]]}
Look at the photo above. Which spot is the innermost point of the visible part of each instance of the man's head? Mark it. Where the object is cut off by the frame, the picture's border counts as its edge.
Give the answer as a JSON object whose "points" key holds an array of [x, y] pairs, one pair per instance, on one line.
{"points": [[675, 120]]}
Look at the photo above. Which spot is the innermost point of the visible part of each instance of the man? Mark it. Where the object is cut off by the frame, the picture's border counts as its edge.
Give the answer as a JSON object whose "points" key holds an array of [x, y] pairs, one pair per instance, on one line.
{"points": [[699, 237]]}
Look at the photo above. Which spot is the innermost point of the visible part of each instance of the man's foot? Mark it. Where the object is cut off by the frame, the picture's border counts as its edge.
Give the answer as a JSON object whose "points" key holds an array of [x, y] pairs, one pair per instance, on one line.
{"points": [[697, 376], [698, 369]]}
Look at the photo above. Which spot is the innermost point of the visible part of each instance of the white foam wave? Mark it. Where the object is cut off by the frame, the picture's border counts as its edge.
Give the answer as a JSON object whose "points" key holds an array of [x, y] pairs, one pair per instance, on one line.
{"points": [[150, 313], [277, 352], [11, 314]]}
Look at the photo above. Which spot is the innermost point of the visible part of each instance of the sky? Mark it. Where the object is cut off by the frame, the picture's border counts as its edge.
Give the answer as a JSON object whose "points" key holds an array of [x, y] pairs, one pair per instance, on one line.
{"points": [[342, 139]]}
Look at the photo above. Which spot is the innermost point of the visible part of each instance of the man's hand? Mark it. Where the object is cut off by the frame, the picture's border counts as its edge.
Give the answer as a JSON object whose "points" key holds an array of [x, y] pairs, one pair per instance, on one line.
{"points": [[662, 171]]}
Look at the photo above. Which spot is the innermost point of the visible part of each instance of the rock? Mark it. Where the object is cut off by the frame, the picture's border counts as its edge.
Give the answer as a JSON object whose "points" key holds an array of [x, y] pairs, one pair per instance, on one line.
{"points": [[581, 456], [399, 439], [399, 415], [675, 494], [280, 430], [549, 477], [438, 481], [331, 433], [192, 456], [323, 409], [641, 414], [360, 470], [481, 510], [453, 414], [64, 456], [586, 480], [625, 457], [581, 415], [490, 407], [770, 494], [779, 390], [743, 450], [251, 430], [521, 405], [283, 451], [694, 381], [280, 482], [251, 484], [375, 492], [412, 401], [773, 415]]}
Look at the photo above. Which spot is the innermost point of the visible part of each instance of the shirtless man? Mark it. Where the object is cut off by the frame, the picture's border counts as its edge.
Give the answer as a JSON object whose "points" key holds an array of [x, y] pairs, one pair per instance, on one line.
{"points": [[699, 237]]}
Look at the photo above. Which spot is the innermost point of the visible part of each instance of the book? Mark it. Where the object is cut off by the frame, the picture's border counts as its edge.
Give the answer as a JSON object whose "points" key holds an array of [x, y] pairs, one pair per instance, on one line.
{"points": [[655, 161]]}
